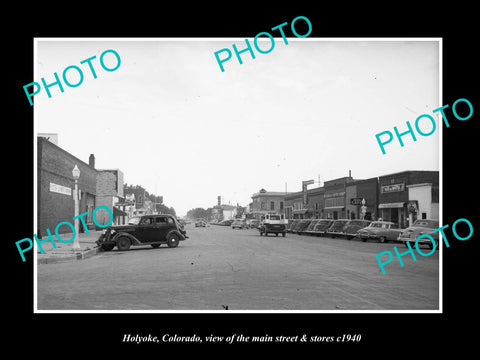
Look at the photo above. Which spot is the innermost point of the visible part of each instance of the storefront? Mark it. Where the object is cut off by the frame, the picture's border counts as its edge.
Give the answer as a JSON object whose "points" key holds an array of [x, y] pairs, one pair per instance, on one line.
{"points": [[394, 202], [335, 198], [55, 192], [362, 199]]}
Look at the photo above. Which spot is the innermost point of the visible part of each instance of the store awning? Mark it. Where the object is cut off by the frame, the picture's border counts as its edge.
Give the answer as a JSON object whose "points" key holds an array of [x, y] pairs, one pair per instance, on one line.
{"points": [[118, 212], [334, 207], [391, 205]]}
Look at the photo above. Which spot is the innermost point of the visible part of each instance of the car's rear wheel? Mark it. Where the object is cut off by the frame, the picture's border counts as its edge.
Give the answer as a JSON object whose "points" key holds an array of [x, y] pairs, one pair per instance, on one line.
{"points": [[283, 234], [173, 240], [382, 239], [123, 243]]}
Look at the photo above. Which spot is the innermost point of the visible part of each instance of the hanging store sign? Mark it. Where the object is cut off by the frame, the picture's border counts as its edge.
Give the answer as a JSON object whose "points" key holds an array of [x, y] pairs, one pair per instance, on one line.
{"points": [[392, 188]]}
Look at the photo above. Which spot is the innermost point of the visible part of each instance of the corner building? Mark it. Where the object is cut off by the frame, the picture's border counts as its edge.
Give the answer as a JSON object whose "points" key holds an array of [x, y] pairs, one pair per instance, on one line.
{"points": [[401, 195]]}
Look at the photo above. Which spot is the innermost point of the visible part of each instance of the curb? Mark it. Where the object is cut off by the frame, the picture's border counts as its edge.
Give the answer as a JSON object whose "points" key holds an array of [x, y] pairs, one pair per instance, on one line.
{"points": [[78, 256]]}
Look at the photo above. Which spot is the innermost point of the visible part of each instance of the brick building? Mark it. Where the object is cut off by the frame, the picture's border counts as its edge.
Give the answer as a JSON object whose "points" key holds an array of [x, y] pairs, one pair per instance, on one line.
{"points": [[401, 194], [358, 190], [266, 201], [55, 188]]}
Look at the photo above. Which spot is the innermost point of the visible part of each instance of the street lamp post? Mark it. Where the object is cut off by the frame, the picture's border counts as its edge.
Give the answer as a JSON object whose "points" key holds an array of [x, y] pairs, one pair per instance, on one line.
{"points": [[76, 241]]}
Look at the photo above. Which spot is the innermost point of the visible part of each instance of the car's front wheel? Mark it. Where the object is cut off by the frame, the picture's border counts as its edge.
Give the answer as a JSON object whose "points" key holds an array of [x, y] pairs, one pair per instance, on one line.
{"points": [[107, 247], [123, 243], [173, 240]]}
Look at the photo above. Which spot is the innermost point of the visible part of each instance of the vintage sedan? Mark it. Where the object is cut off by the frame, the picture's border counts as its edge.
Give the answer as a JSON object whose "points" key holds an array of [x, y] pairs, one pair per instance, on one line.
{"points": [[151, 230], [336, 229], [301, 226], [350, 229], [420, 227], [309, 229], [239, 224], [200, 223], [380, 230], [321, 227], [291, 225]]}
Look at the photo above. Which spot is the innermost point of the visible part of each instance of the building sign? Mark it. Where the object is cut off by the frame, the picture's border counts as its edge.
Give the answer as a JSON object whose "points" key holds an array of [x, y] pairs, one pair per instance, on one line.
{"points": [[304, 189], [337, 194], [356, 201], [392, 188], [60, 189]]}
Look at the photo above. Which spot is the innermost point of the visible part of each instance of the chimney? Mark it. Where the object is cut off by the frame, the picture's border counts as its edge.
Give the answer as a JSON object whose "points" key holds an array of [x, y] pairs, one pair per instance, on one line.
{"points": [[91, 161]]}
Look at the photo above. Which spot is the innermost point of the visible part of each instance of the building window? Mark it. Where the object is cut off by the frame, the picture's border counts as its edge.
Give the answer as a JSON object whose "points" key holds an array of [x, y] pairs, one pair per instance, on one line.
{"points": [[281, 205], [272, 205], [333, 202], [262, 206]]}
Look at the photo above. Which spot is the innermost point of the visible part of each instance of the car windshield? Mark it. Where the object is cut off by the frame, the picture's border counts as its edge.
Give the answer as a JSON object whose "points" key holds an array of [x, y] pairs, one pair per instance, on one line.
{"points": [[274, 217], [376, 225], [427, 223], [134, 220]]}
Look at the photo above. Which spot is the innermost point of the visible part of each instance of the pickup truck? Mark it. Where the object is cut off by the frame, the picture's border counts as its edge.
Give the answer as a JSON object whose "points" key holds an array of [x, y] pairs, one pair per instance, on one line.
{"points": [[273, 223]]}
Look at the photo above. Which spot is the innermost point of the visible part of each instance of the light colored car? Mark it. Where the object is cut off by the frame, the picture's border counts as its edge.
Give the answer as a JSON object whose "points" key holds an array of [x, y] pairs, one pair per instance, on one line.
{"points": [[420, 227], [380, 230], [239, 224], [200, 223]]}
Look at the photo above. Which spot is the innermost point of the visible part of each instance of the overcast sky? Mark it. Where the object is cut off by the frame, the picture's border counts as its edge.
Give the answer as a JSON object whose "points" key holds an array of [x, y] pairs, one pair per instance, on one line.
{"points": [[178, 126]]}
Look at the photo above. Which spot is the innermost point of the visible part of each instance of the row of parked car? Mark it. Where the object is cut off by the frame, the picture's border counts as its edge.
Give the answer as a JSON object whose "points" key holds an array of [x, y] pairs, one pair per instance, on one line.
{"points": [[381, 231]]}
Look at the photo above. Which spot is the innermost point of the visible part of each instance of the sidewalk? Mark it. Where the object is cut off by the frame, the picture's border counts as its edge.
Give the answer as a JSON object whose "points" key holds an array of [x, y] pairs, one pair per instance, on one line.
{"points": [[64, 251]]}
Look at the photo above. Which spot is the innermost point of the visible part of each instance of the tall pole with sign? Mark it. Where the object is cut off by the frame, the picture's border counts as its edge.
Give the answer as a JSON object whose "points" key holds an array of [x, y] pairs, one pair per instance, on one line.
{"points": [[76, 241]]}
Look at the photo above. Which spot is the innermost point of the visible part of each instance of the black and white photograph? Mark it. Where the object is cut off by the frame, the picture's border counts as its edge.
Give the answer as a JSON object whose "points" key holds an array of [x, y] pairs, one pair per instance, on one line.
{"points": [[227, 179], [262, 187]]}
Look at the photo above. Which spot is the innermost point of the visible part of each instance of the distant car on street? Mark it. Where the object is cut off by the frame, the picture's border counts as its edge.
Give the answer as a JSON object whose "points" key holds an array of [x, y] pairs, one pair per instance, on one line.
{"points": [[380, 230], [253, 223], [200, 223], [239, 224], [350, 229], [225, 222], [420, 227], [151, 230]]}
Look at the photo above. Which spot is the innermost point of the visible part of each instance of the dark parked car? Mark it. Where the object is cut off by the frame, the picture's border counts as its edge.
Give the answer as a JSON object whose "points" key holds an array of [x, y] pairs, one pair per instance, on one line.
{"points": [[311, 226], [291, 225], [151, 230], [321, 227], [336, 229], [351, 228], [301, 226]]}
